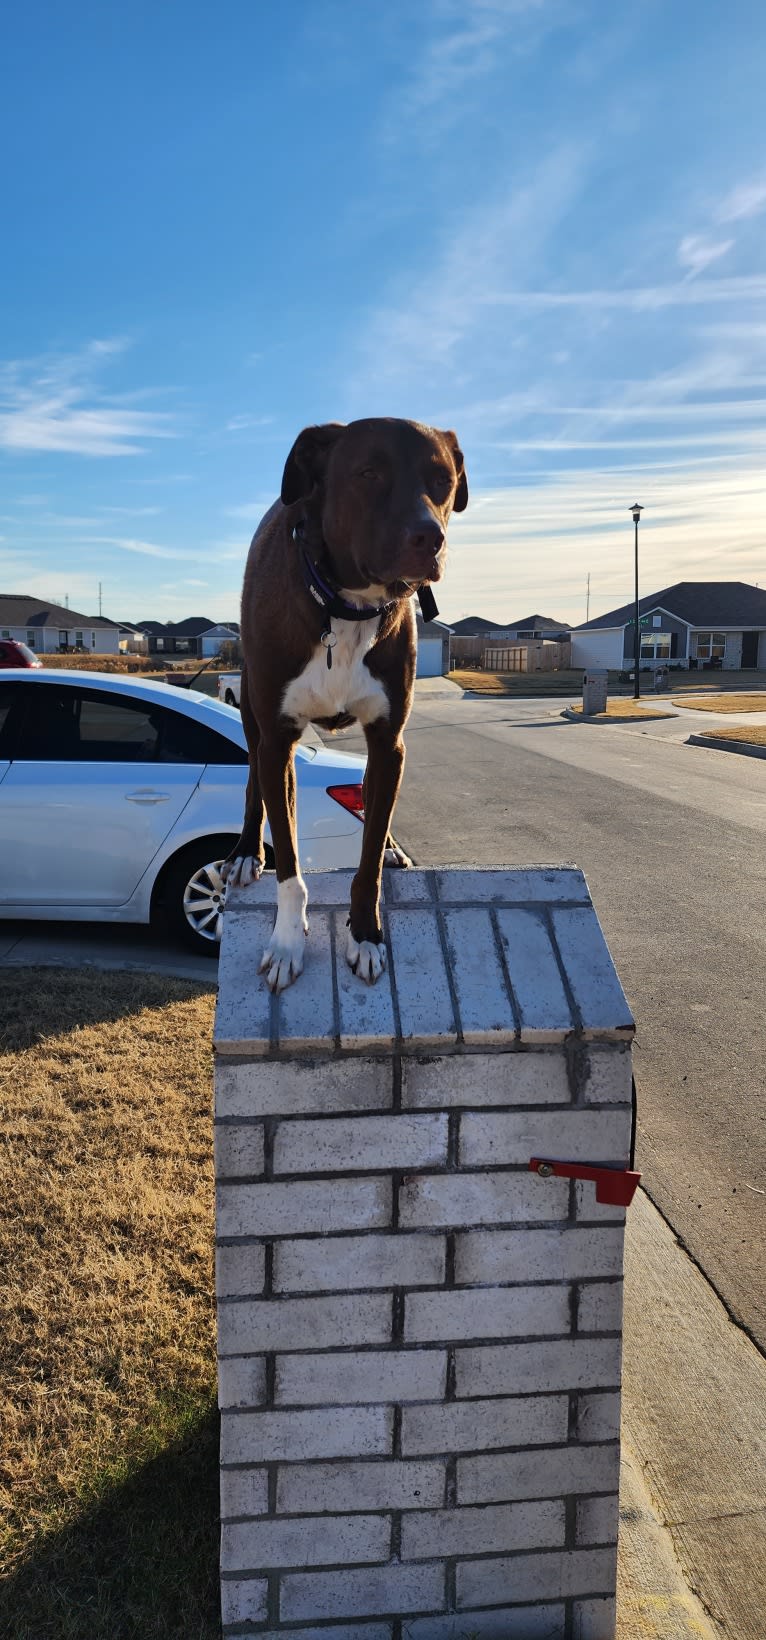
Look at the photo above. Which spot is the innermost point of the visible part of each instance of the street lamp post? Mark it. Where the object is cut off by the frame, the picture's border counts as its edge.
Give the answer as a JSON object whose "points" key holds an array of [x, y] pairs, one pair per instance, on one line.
{"points": [[636, 512]]}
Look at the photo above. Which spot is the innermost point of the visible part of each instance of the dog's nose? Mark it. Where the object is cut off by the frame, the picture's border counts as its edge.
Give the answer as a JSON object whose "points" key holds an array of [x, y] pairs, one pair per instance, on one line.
{"points": [[425, 538]]}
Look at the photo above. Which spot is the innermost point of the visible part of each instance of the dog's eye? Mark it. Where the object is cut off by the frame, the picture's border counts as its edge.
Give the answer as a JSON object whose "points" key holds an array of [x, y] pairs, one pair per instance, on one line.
{"points": [[368, 472]]}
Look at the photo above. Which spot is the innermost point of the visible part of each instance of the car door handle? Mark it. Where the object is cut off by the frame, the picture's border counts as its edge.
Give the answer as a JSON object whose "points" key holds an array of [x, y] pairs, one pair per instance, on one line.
{"points": [[147, 794]]}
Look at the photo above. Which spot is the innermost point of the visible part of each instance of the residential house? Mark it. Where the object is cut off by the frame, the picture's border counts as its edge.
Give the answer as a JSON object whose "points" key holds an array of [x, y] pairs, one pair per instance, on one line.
{"points": [[433, 648], [195, 637], [52, 629], [695, 624]]}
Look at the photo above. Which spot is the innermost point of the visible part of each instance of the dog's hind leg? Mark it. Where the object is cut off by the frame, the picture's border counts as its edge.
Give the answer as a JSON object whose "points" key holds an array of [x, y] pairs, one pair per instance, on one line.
{"points": [[282, 961], [246, 861]]}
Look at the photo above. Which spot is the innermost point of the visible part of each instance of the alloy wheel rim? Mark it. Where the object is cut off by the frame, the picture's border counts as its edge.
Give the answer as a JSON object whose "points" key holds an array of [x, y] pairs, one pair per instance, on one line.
{"points": [[203, 901]]}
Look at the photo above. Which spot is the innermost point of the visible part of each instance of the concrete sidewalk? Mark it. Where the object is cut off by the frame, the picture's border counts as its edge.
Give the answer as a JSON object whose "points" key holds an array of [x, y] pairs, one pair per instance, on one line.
{"points": [[692, 1499]]}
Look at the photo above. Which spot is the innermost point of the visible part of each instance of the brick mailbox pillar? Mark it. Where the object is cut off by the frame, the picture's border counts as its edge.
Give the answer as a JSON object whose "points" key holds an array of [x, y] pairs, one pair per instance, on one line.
{"points": [[420, 1337]]}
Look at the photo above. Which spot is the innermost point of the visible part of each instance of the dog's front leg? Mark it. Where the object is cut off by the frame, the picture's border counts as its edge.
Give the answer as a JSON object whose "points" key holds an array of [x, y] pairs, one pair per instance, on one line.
{"points": [[282, 961], [365, 950]]}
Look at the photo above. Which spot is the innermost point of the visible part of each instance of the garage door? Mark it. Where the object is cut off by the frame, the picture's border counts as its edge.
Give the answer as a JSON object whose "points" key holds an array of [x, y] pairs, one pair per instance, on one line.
{"points": [[429, 658]]}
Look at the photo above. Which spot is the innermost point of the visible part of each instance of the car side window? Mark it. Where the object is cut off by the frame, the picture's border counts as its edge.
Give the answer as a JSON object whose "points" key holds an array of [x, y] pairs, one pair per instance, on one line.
{"points": [[184, 740], [70, 726], [7, 698]]}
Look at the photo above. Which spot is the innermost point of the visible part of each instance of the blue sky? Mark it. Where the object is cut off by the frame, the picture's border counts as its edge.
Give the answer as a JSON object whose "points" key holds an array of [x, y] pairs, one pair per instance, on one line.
{"points": [[541, 222]]}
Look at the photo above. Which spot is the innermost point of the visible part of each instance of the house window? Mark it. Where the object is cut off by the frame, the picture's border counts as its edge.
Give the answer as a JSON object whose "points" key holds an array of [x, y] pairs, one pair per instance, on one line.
{"points": [[63, 637], [78, 640], [6, 632], [31, 639], [711, 646], [159, 643], [655, 646], [93, 640], [183, 646], [656, 620]]}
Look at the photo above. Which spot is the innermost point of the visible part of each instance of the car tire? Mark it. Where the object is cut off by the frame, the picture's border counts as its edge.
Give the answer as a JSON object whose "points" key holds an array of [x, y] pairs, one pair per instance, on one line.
{"points": [[230, 698], [192, 894]]}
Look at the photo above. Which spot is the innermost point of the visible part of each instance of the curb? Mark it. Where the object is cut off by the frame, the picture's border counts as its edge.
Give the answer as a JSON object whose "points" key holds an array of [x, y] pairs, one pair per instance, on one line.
{"points": [[740, 746], [607, 723]]}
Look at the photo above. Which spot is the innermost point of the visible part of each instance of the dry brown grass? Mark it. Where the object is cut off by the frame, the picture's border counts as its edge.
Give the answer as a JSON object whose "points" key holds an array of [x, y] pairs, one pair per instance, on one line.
{"points": [[752, 734], [620, 711], [107, 1364], [726, 703]]}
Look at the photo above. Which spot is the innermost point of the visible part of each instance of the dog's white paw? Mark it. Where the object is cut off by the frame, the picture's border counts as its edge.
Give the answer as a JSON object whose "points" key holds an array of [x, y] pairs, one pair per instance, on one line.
{"points": [[282, 961], [395, 856], [367, 959], [241, 871]]}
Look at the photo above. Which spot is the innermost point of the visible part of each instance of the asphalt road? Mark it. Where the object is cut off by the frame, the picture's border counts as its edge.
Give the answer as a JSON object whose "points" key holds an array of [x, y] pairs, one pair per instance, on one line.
{"points": [[672, 839]]}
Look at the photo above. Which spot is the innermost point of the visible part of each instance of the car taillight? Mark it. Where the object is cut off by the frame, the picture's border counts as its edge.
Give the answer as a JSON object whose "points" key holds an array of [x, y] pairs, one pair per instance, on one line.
{"points": [[350, 798]]}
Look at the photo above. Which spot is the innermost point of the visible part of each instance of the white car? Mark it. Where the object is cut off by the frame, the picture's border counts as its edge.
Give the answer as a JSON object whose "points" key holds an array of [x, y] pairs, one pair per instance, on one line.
{"points": [[121, 797]]}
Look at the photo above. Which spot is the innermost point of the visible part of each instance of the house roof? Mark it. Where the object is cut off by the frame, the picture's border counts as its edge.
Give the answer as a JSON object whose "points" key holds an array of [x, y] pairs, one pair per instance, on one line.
{"points": [[192, 627], [431, 629], [539, 623], [21, 609], [473, 626], [699, 603]]}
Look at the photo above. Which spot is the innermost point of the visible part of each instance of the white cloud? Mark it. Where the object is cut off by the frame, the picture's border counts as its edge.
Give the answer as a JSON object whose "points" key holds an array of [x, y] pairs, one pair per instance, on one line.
{"points": [[684, 293], [243, 424], [696, 253], [745, 200], [53, 404]]}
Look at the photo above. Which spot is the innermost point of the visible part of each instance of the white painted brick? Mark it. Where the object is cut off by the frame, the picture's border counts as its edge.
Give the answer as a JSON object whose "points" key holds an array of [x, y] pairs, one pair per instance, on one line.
{"points": [[244, 1492], [320, 1487], [425, 1004], [345, 1262], [301, 1206], [335, 1432], [501, 1527], [554, 1472], [543, 884], [486, 1009], [609, 1075], [398, 1589], [510, 1623], [366, 1012], [597, 1519], [535, 976], [536, 1577], [598, 1416], [591, 973], [599, 1307], [537, 1255], [480, 1198], [331, 1631], [485, 1079], [239, 1271], [242, 1381], [306, 1011], [242, 1012], [595, 1619], [588, 1210], [303, 1323], [238, 1150], [486, 1312], [374, 1375], [495, 1138], [356, 1143], [294, 1087], [243, 1600], [510, 1369], [344, 1539], [471, 1426]]}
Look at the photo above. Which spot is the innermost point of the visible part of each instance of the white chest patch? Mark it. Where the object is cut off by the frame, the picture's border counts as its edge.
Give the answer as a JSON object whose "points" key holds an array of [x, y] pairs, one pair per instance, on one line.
{"points": [[320, 691]]}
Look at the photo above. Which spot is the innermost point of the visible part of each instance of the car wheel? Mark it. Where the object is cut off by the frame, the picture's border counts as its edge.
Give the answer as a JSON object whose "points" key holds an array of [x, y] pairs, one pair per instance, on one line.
{"points": [[193, 894], [230, 698]]}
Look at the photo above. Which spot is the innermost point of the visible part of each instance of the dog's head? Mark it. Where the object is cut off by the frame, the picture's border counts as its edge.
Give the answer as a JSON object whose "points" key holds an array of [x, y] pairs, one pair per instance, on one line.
{"points": [[382, 491]]}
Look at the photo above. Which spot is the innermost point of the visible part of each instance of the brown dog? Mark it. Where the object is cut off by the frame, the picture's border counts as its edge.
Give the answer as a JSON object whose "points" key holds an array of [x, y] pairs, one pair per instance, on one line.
{"points": [[328, 635]]}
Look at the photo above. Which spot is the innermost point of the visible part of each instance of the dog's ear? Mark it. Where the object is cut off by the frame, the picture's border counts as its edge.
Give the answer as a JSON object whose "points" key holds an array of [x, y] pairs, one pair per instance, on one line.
{"points": [[461, 499], [306, 463]]}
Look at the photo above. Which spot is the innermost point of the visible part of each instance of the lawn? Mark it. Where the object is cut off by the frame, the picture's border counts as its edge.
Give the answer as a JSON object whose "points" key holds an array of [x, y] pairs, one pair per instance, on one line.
{"points": [[620, 711], [108, 1472], [752, 735], [726, 703]]}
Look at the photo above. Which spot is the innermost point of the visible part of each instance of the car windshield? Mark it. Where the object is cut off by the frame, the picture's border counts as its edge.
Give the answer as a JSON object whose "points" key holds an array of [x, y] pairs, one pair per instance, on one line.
{"points": [[29, 654]]}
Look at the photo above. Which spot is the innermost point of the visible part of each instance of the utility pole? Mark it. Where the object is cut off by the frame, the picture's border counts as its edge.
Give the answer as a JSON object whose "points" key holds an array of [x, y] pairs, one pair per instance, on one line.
{"points": [[99, 600], [66, 600], [636, 512], [587, 599]]}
